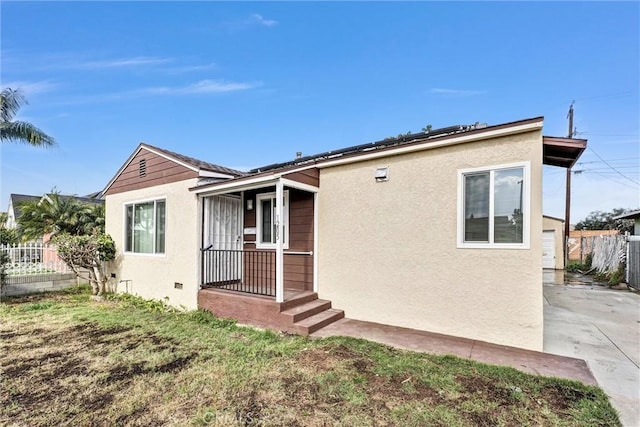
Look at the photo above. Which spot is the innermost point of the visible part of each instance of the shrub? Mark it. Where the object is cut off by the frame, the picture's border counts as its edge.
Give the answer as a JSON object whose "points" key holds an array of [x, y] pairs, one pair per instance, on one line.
{"points": [[617, 277], [576, 267], [588, 260]]}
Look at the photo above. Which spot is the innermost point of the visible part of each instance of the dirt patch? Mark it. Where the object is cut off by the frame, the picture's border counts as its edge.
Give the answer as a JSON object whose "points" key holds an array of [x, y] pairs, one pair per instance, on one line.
{"points": [[561, 397], [487, 390], [69, 366]]}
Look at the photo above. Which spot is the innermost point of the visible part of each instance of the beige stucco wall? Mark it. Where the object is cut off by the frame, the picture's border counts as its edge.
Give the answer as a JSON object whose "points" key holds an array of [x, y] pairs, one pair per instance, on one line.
{"points": [[388, 251], [154, 276], [556, 225]]}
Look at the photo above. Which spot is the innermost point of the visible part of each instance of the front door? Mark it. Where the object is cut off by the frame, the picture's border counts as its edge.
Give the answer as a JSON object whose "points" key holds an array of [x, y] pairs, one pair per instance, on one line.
{"points": [[223, 238]]}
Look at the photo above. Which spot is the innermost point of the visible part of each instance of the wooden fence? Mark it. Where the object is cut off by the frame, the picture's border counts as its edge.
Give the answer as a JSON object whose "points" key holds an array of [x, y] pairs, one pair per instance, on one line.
{"points": [[608, 253]]}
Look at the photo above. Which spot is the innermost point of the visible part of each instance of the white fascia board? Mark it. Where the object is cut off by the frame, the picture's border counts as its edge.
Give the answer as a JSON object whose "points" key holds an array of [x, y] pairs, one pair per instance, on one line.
{"points": [[252, 183], [299, 185], [210, 174], [228, 187], [434, 143]]}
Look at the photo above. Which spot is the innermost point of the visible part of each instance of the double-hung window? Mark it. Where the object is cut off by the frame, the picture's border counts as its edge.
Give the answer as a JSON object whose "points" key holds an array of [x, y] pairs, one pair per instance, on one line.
{"points": [[267, 223], [493, 207], [145, 227]]}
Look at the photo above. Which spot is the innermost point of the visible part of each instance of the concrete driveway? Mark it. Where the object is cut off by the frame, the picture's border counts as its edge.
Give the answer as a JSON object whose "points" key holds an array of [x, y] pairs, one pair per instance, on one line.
{"points": [[602, 327]]}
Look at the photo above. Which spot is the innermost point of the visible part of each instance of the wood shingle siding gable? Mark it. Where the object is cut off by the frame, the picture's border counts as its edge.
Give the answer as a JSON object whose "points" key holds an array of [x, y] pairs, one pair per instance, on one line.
{"points": [[158, 170]]}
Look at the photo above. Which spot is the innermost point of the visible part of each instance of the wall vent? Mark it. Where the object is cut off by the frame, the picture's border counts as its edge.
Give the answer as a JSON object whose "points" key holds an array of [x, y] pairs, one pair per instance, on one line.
{"points": [[142, 167]]}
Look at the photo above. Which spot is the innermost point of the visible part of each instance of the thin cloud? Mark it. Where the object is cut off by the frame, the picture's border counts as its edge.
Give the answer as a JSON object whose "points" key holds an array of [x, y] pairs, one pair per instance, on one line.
{"points": [[254, 20], [123, 62], [260, 20], [31, 88], [192, 68], [201, 87], [456, 92]]}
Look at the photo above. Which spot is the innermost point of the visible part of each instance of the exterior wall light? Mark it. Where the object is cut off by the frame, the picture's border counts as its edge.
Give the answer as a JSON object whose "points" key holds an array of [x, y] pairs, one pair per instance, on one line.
{"points": [[382, 174], [249, 204]]}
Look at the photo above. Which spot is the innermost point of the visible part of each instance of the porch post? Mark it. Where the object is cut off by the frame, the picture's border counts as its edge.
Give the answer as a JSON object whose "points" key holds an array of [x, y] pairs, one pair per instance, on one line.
{"points": [[315, 241], [279, 246]]}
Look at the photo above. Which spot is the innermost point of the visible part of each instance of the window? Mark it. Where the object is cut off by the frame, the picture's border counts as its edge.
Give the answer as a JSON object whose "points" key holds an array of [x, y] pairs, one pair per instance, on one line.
{"points": [[493, 207], [145, 227], [266, 220]]}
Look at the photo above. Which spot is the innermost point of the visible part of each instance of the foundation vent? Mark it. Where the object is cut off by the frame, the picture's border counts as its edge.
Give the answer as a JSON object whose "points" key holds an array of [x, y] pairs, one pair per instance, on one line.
{"points": [[142, 167]]}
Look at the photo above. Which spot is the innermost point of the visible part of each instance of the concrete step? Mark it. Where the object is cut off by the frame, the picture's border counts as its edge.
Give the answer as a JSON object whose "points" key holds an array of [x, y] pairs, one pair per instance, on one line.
{"points": [[299, 299], [307, 309], [313, 323]]}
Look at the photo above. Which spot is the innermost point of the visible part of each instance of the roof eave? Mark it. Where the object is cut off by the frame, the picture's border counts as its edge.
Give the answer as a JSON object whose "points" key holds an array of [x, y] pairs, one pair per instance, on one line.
{"points": [[562, 152]]}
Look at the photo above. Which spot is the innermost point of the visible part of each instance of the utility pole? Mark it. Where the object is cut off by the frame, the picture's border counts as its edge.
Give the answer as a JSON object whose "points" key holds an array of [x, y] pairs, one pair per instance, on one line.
{"points": [[567, 206]]}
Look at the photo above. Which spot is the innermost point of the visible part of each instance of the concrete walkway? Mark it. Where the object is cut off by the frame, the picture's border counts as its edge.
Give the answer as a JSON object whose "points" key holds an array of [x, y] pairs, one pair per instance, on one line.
{"points": [[602, 327], [410, 339]]}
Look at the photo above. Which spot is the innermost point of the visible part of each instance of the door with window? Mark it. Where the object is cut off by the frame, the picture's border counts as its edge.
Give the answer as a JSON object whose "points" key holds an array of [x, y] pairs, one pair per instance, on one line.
{"points": [[222, 238]]}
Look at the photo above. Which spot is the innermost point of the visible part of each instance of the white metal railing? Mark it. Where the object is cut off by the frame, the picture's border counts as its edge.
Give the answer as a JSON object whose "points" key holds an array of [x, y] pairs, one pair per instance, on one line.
{"points": [[33, 258]]}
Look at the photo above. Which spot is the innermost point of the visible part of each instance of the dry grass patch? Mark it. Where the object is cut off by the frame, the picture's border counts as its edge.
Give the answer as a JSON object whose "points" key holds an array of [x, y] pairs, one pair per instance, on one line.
{"points": [[67, 360]]}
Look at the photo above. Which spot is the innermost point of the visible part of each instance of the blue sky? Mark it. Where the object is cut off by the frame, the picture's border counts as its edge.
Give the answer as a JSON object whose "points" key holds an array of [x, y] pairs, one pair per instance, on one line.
{"points": [[248, 84]]}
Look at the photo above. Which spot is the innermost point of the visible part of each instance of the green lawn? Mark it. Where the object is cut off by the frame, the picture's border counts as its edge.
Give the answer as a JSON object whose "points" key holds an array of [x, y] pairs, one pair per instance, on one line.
{"points": [[68, 360]]}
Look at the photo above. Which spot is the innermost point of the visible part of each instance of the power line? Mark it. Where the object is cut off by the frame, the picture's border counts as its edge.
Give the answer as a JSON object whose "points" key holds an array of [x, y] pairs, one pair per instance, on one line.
{"points": [[618, 167], [617, 182], [610, 160], [607, 163], [635, 135]]}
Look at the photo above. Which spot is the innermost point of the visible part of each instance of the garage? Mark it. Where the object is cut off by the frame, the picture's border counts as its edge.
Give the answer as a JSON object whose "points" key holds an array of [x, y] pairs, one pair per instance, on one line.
{"points": [[549, 249]]}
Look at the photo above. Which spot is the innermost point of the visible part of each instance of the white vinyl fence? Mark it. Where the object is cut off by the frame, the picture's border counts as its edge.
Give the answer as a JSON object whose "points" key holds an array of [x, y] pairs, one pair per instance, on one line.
{"points": [[35, 267]]}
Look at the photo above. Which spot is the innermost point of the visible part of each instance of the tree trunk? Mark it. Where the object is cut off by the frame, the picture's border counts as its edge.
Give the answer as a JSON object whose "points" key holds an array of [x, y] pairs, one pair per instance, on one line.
{"points": [[95, 288]]}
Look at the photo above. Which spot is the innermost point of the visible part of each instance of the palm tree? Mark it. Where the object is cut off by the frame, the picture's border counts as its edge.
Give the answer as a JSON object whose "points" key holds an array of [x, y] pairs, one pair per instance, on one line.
{"points": [[52, 215], [15, 130]]}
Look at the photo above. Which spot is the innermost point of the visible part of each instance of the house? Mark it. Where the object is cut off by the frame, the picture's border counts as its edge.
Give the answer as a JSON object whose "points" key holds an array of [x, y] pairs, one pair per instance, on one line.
{"points": [[439, 231], [635, 216], [16, 201], [13, 212], [552, 242], [632, 275]]}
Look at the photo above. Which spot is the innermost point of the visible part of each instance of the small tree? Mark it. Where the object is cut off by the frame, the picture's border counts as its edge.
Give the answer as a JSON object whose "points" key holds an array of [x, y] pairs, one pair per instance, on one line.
{"points": [[599, 220], [88, 257]]}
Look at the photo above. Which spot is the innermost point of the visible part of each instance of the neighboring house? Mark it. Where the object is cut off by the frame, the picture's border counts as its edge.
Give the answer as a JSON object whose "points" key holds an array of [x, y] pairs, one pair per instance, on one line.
{"points": [[438, 231], [17, 200], [635, 216], [13, 212], [552, 242], [633, 250]]}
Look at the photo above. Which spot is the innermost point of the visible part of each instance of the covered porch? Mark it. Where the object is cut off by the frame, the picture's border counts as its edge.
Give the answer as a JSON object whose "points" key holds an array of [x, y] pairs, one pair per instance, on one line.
{"points": [[258, 258], [258, 235]]}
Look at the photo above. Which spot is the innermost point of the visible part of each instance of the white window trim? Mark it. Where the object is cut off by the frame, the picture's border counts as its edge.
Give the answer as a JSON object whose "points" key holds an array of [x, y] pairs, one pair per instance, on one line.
{"points": [[124, 229], [258, 208], [526, 207]]}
